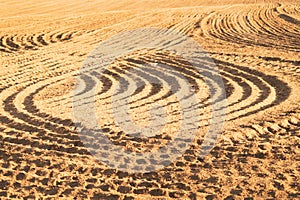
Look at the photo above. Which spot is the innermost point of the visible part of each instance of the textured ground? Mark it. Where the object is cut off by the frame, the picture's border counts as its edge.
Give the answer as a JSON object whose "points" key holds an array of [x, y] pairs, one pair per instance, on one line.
{"points": [[256, 46]]}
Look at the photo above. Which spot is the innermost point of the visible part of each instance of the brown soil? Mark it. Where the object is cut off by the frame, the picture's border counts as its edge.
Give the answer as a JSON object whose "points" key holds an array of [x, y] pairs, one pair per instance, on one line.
{"points": [[255, 45]]}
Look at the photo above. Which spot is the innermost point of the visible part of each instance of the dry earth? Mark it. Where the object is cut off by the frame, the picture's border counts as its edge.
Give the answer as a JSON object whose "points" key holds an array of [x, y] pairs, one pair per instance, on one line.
{"points": [[255, 45]]}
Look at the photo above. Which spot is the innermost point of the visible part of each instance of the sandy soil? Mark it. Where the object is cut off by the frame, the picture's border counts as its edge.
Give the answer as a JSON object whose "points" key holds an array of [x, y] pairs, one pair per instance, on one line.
{"points": [[254, 44]]}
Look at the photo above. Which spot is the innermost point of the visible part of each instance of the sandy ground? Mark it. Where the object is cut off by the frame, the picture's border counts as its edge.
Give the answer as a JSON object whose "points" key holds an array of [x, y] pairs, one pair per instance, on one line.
{"points": [[254, 44]]}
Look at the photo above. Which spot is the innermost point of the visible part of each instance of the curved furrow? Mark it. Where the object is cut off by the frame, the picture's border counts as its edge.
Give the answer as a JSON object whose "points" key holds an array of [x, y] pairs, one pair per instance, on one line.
{"points": [[64, 36], [26, 95], [285, 23], [263, 84], [269, 93], [177, 69], [203, 73], [289, 9], [9, 43], [157, 81], [141, 62], [10, 108], [151, 77], [274, 28], [116, 75], [53, 136], [268, 34], [260, 25], [52, 72], [239, 88], [112, 133], [256, 87], [256, 84], [24, 117], [259, 90], [31, 125], [34, 41], [40, 39], [155, 87], [133, 62], [279, 28], [3, 47], [141, 79], [171, 86], [27, 43]]}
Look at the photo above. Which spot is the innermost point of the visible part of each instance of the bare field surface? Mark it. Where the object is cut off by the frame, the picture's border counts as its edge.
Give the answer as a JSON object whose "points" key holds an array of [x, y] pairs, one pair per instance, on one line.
{"points": [[254, 44]]}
